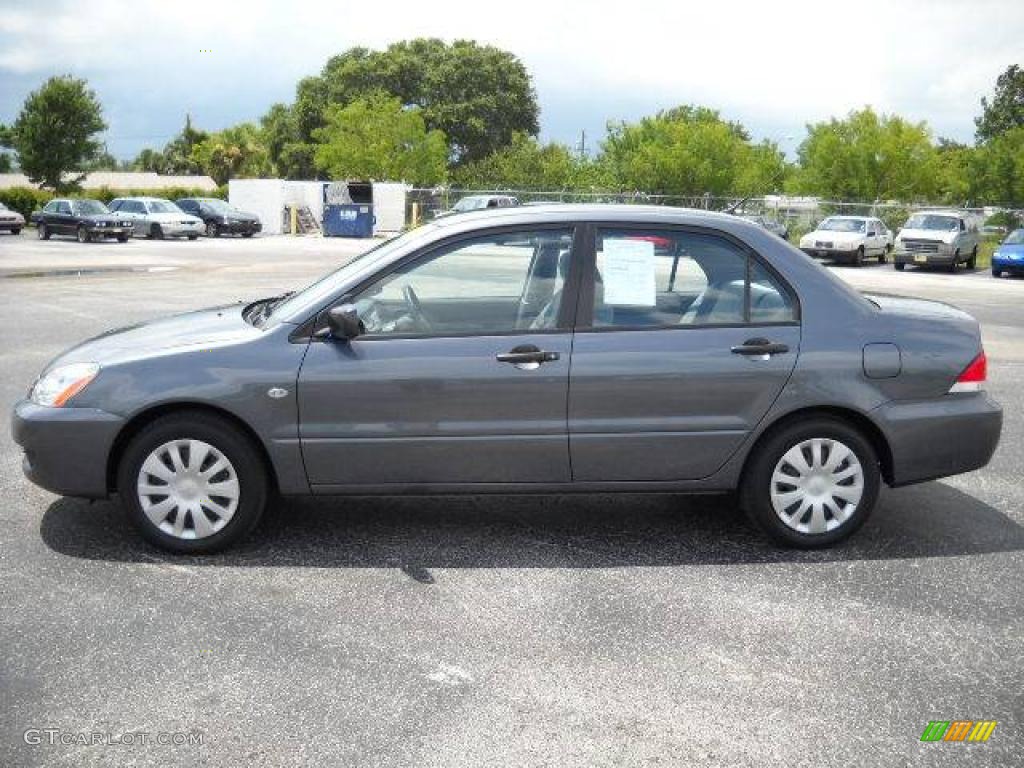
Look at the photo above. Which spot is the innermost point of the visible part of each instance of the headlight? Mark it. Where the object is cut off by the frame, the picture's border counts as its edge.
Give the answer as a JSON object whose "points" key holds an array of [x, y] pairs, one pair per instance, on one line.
{"points": [[62, 383]]}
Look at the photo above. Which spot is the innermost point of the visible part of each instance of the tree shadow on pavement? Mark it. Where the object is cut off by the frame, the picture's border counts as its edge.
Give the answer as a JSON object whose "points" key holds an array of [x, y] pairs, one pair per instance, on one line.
{"points": [[575, 531]]}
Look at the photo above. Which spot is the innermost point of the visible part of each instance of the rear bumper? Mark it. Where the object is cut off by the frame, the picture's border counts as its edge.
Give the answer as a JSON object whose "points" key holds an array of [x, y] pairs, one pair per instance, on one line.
{"points": [[940, 437], [66, 449]]}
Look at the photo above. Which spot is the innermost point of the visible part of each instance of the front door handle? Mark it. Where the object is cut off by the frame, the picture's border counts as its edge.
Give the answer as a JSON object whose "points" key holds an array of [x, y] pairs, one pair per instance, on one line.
{"points": [[527, 357], [760, 348]]}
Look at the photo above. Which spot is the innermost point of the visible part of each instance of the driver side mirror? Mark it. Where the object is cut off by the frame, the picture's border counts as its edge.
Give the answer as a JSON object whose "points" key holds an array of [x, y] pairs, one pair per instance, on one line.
{"points": [[344, 323]]}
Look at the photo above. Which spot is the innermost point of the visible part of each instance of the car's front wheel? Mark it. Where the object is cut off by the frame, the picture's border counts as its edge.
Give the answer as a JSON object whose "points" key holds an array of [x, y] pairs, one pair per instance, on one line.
{"points": [[812, 483], [83, 235], [858, 257], [192, 483], [212, 230], [972, 262], [42, 232]]}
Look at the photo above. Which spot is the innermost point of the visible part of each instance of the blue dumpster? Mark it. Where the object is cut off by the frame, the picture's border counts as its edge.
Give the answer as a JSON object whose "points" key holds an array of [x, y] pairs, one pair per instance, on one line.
{"points": [[348, 220], [348, 209]]}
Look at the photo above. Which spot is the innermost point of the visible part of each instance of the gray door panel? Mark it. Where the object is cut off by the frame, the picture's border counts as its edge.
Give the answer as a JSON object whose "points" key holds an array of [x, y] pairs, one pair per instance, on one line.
{"points": [[434, 410], [669, 404]]}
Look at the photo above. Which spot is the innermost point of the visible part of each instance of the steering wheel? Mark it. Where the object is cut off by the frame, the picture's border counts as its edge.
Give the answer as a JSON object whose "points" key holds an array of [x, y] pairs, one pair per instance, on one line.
{"points": [[412, 302]]}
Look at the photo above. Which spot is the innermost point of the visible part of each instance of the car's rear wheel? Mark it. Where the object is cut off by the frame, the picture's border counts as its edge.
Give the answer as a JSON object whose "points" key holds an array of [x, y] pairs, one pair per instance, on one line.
{"points": [[193, 237], [972, 263], [83, 235], [812, 483], [122, 238], [212, 230], [16, 230], [247, 234], [42, 232], [899, 266], [192, 483]]}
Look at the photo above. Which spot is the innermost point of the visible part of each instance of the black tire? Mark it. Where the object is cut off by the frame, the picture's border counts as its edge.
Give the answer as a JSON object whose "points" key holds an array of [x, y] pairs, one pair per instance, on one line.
{"points": [[42, 232], [156, 232], [972, 262], [247, 234], [955, 264], [212, 230], [83, 235], [122, 238], [237, 447], [899, 266], [883, 257], [16, 231], [755, 490], [997, 272], [858, 257], [193, 237]]}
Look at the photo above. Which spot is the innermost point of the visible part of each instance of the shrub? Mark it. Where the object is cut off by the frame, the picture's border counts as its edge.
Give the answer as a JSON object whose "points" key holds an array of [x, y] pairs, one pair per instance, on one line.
{"points": [[24, 200]]}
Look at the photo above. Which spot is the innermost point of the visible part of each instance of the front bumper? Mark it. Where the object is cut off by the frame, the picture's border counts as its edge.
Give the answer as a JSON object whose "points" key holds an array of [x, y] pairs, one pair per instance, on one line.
{"points": [[94, 230], [182, 229], [66, 449], [836, 254], [941, 436], [241, 227], [1015, 266], [924, 259]]}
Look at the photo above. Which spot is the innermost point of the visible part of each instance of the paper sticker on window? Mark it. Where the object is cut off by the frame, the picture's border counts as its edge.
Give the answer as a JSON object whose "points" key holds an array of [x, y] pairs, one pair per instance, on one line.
{"points": [[628, 272]]}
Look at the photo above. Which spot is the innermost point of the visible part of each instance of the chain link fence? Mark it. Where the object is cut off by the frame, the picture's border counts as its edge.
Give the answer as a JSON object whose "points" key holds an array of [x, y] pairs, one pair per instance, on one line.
{"points": [[798, 214]]}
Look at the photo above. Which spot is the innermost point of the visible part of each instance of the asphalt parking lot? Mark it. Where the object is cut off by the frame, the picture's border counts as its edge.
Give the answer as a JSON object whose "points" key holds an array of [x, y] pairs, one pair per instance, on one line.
{"points": [[584, 630]]}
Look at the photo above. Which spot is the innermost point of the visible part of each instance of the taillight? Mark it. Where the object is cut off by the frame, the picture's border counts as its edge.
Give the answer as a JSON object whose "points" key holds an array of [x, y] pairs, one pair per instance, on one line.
{"points": [[974, 375]]}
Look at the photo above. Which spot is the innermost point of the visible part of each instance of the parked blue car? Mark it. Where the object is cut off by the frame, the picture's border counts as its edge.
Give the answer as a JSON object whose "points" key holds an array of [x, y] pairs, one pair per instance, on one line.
{"points": [[1009, 256]]}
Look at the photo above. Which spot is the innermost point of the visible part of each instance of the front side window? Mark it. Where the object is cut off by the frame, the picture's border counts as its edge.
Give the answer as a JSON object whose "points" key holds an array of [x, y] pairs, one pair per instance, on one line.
{"points": [[51, 207], [498, 283], [64, 207], [653, 278]]}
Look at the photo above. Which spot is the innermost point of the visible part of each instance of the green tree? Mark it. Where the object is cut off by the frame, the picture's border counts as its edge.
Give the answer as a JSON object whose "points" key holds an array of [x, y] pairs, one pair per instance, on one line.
{"points": [[238, 151], [998, 170], [290, 156], [55, 133], [176, 157], [1006, 110], [376, 138], [478, 96], [867, 157], [690, 151], [527, 164]]}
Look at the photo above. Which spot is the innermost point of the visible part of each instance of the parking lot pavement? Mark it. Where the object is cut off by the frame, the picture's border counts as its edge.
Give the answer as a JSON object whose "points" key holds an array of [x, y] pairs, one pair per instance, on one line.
{"points": [[589, 630]]}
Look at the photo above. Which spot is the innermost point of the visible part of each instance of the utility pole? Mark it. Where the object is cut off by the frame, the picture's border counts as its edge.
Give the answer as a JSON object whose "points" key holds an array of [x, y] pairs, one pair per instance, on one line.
{"points": [[583, 144]]}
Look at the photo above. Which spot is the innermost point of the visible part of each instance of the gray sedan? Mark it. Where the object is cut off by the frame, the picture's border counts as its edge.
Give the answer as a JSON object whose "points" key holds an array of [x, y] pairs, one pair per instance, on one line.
{"points": [[543, 349]]}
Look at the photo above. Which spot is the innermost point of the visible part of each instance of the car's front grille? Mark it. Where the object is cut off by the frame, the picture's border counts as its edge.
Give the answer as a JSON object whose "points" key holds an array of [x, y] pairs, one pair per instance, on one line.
{"points": [[921, 246], [822, 243]]}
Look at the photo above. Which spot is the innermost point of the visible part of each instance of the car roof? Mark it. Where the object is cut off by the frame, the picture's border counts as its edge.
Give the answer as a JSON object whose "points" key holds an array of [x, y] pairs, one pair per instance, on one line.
{"points": [[570, 212], [850, 216]]}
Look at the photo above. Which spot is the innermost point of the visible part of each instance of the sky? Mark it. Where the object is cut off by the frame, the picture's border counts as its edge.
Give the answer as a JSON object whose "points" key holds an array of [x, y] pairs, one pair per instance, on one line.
{"points": [[774, 66]]}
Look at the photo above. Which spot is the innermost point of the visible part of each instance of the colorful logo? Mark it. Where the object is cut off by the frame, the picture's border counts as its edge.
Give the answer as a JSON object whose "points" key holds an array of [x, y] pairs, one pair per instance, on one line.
{"points": [[958, 730]]}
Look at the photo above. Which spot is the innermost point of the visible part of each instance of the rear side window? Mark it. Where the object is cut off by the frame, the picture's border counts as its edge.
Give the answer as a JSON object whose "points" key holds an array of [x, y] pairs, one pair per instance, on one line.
{"points": [[664, 278]]}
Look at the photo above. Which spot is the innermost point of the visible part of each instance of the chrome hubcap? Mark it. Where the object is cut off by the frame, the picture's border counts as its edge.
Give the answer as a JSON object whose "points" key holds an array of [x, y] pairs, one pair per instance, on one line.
{"points": [[817, 485], [188, 489]]}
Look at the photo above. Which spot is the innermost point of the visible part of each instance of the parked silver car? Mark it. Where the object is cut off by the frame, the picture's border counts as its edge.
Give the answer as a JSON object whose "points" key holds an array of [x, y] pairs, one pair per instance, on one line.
{"points": [[938, 238], [561, 349], [480, 203], [157, 218], [11, 221], [774, 226]]}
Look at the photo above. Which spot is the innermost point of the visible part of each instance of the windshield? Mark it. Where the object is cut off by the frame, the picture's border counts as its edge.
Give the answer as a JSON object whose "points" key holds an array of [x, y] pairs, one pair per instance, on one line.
{"points": [[1014, 238], [319, 293], [163, 206], [88, 207], [842, 225], [217, 205], [931, 221], [3, 207], [470, 204]]}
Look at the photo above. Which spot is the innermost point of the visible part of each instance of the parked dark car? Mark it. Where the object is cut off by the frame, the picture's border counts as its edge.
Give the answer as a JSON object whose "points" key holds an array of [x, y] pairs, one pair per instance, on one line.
{"points": [[11, 221], [220, 217], [85, 219], [571, 348]]}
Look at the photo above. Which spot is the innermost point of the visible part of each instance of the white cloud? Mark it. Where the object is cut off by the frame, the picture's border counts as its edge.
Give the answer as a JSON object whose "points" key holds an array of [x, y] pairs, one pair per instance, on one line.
{"points": [[771, 64]]}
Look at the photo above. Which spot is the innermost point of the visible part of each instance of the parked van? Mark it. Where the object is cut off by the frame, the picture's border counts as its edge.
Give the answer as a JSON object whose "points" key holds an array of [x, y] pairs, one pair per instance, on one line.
{"points": [[938, 238]]}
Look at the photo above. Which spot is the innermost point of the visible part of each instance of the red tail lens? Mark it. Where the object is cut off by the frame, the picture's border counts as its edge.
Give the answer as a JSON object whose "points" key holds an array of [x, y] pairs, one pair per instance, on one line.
{"points": [[974, 375]]}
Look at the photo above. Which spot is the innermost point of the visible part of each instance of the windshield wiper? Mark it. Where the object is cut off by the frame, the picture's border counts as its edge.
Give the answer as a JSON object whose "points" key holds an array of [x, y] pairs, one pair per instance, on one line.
{"points": [[259, 310]]}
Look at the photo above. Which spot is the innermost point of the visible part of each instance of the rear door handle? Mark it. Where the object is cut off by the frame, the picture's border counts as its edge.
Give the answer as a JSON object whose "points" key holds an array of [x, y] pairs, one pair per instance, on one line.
{"points": [[527, 357], [760, 348]]}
